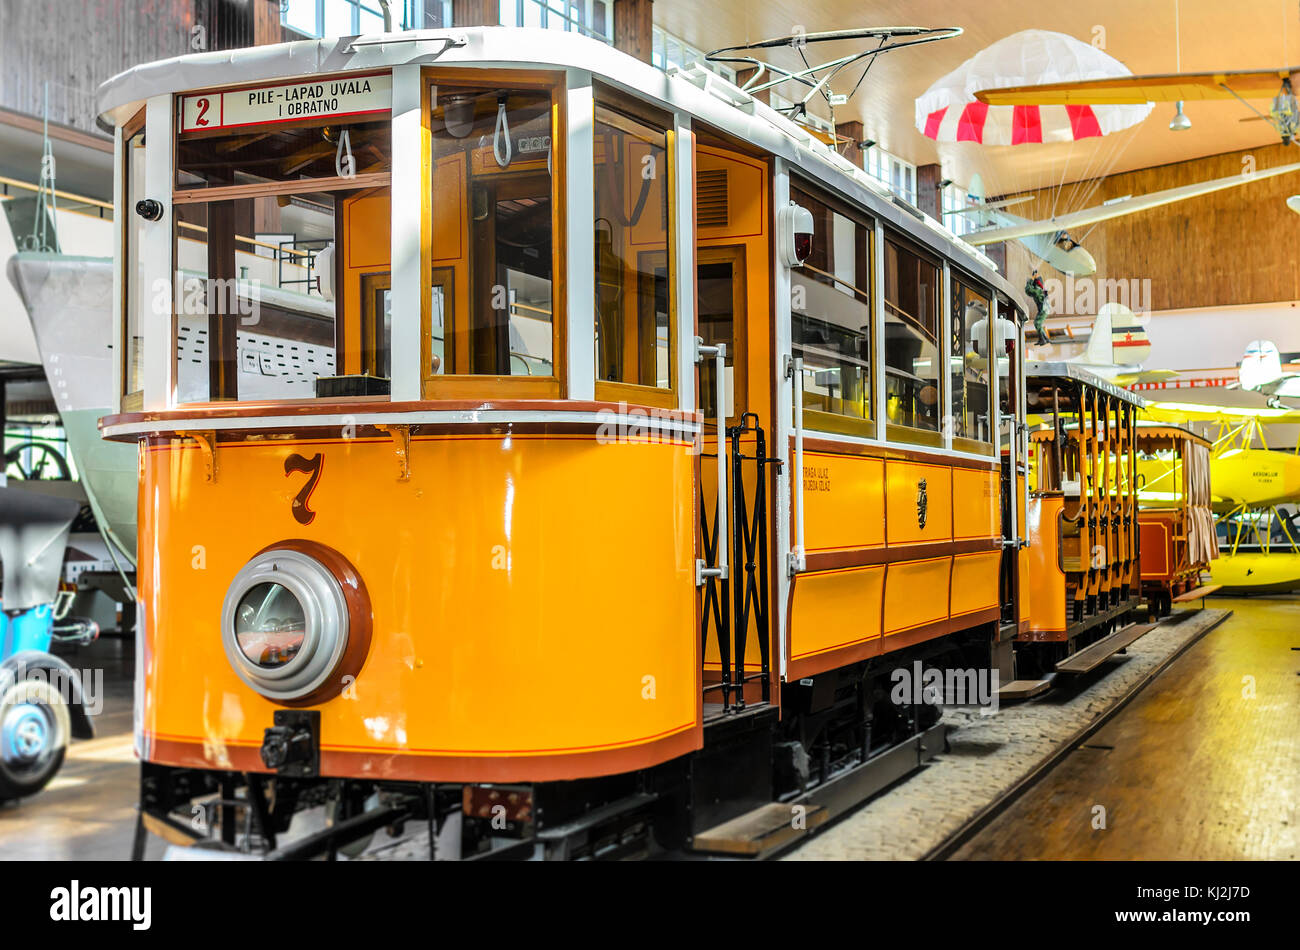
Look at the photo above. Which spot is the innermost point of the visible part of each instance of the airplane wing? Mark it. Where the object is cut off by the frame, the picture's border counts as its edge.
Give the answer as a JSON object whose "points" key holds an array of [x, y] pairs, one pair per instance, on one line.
{"points": [[1133, 90], [1142, 376], [1199, 412], [1078, 219]]}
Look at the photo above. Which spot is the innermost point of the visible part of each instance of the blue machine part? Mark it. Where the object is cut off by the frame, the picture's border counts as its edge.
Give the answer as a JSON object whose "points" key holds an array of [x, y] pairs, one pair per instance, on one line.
{"points": [[32, 629]]}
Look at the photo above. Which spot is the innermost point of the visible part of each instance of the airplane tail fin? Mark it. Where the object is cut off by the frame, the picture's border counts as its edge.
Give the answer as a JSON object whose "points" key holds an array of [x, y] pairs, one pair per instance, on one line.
{"points": [[1117, 339], [1098, 350], [1130, 345], [1260, 365]]}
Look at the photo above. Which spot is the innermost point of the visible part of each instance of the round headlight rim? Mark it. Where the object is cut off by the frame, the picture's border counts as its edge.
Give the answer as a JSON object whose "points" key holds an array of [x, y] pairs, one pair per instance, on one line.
{"points": [[357, 616], [318, 594]]}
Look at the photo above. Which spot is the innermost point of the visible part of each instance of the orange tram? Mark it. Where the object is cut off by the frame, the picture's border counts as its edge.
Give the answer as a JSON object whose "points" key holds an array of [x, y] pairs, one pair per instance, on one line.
{"points": [[569, 455]]}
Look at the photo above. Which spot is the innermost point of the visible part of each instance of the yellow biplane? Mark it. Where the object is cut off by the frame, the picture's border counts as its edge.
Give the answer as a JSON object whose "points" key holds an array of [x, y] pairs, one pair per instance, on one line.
{"points": [[1250, 485]]}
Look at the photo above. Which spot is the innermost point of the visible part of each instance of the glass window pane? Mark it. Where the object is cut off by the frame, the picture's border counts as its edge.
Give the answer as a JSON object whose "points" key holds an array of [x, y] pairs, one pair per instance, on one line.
{"points": [[971, 346], [632, 320], [719, 292], [301, 16], [831, 313], [911, 339], [338, 17], [372, 20], [255, 302], [318, 149], [492, 229]]}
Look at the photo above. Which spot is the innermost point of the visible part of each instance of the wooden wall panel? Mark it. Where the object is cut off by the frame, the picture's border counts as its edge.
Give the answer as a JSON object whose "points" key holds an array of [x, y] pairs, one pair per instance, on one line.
{"points": [[75, 45], [1236, 246]]}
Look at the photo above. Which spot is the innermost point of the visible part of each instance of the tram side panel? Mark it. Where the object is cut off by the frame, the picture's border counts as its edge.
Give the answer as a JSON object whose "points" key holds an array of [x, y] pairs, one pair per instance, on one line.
{"points": [[892, 560], [509, 576]]}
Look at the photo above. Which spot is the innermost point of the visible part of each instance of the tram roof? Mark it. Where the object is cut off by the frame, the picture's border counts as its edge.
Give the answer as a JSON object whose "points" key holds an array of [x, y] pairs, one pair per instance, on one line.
{"points": [[1073, 371], [696, 92], [1147, 429]]}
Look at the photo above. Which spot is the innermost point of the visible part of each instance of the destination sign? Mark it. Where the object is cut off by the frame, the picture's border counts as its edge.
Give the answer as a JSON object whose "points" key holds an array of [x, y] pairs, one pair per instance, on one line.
{"points": [[287, 102]]}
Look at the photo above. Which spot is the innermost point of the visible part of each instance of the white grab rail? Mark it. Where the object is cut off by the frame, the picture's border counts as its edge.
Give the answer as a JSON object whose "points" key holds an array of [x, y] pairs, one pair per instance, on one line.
{"points": [[797, 562], [719, 354]]}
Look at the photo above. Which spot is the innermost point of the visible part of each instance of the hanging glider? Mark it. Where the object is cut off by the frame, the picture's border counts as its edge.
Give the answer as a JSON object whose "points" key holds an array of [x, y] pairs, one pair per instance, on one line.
{"points": [[1006, 227]]}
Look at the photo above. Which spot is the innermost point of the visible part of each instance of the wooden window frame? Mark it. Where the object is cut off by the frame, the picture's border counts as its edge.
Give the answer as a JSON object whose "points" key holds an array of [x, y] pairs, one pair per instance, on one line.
{"points": [[734, 254], [895, 431], [820, 420], [635, 393], [444, 277], [464, 385], [370, 283]]}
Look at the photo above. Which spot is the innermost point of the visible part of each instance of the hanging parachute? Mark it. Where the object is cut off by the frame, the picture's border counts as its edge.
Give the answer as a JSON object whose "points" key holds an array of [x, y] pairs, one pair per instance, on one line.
{"points": [[949, 112]]}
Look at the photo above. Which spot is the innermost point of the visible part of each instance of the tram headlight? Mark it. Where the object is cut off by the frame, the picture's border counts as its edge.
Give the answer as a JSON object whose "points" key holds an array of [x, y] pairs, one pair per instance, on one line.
{"points": [[296, 623]]}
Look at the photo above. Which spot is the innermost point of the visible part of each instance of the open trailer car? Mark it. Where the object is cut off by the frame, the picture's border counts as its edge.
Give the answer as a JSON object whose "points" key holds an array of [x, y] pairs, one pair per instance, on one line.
{"points": [[1082, 514], [1178, 539]]}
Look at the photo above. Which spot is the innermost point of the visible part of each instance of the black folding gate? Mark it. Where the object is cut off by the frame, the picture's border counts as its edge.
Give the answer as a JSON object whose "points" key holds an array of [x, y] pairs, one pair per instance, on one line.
{"points": [[725, 616]]}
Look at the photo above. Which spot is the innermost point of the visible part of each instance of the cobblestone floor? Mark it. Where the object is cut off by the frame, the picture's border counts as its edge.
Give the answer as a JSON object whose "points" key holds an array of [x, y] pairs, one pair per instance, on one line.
{"points": [[989, 754]]}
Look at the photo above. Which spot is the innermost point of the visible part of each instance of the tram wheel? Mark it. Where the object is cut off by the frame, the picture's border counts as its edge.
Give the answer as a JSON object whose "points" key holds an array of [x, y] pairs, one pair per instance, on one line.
{"points": [[34, 729]]}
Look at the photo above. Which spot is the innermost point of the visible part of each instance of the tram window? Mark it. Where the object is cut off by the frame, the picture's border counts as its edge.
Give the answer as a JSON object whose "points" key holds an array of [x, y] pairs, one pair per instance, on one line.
{"points": [[492, 232], [255, 302], [442, 293], [135, 295], [321, 148], [972, 327], [911, 344], [634, 338], [376, 324], [830, 313], [720, 293], [271, 281]]}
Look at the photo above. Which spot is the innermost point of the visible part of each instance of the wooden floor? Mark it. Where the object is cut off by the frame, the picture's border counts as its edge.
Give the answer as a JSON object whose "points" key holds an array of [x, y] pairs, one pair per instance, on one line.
{"points": [[1195, 768]]}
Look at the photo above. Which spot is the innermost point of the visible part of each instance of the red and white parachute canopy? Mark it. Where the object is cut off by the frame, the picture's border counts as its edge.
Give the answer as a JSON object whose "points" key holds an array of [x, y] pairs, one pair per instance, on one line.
{"points": [[949, 112]]}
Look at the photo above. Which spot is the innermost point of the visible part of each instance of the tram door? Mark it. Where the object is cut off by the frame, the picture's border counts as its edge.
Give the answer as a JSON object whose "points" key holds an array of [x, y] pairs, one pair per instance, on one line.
{"points": [[733, 308], [1014, 589]]}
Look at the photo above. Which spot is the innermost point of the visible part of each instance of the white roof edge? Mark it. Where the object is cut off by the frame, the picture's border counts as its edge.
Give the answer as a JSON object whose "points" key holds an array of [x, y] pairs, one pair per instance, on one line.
{"points": [[484, 47]]}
